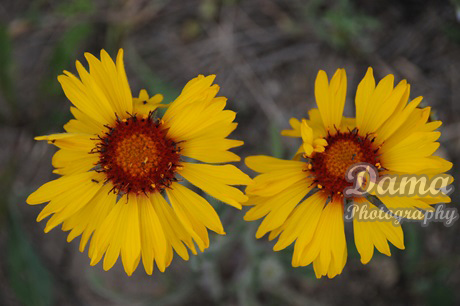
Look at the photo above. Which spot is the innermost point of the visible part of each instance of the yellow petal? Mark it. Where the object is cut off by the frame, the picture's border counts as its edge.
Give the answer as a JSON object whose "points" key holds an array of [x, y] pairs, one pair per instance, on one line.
{"points": [[70, 162], [278, 208], [263, 164], [197, 89], [91, 216], [211, 150], [174, 231], [297, 228], [56, 187], [374, 233], [109, 236], [131, 240], [382, 104], [406, 207], [311, 144], [215, 180], [82, 97], [363, 94], [330, 98], [83, 124], [68, 141], [152, 235], [112, 81], [143, 105], [69, 202], [328, 243], [412, 154], [194, 228], [271, 183], [199, 208], [198, 119], [295, 132]]}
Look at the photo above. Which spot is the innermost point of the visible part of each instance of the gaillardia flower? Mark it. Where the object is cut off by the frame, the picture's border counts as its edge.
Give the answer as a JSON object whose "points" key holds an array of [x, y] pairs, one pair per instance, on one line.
{"points": [[302, 199], [121, 168]]}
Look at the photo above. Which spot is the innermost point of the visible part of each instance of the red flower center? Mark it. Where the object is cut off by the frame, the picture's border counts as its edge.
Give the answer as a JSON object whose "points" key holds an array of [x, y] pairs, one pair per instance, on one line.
{"points": [[137, 156], [343, 150]]}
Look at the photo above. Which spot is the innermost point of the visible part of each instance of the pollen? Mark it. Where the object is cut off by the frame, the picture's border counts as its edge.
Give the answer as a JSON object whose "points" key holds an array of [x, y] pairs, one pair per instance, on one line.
{"points": [[343, 150], [137, 156], [133, 152]]}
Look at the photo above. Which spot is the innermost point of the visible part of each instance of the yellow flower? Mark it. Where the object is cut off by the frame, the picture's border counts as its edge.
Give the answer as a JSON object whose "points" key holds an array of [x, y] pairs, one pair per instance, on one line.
{"points": [[119, 163], [302, 200]]}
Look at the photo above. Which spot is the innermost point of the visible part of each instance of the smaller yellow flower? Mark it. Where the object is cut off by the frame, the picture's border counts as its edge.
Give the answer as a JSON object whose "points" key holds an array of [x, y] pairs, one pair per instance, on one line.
{"points": [[302, 201]]}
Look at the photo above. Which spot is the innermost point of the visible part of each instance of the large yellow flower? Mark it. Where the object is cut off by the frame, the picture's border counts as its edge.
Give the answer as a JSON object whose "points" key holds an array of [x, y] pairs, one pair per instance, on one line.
{"points": [[302, 200], [118, 163]]}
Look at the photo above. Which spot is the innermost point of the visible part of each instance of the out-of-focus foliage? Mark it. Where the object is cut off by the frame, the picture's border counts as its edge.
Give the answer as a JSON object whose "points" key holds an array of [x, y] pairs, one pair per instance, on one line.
{"points": [[28, 277], [342, 26]]}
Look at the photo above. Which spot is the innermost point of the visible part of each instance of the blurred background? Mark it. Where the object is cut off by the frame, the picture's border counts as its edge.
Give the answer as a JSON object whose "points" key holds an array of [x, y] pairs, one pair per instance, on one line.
{"points": [[266, 54]]}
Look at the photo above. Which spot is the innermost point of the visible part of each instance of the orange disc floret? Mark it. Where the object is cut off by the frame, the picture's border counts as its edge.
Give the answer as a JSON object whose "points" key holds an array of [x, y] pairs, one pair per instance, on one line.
{"points": [[343, 151], [137, 156]]}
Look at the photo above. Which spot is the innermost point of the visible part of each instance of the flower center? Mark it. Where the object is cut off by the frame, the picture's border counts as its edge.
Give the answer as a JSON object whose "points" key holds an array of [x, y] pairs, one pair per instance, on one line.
{"points": [[137, 156], [343, 151]]}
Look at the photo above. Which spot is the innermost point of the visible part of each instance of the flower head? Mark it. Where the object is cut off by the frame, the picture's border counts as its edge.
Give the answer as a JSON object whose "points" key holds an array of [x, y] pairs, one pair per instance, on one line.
{"points": [[121, 168], [302, 200]]}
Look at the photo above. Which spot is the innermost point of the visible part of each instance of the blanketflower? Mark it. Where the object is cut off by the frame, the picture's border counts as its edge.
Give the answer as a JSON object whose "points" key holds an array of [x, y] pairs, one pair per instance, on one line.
{"points": [[121, 168], [302, 200]]}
